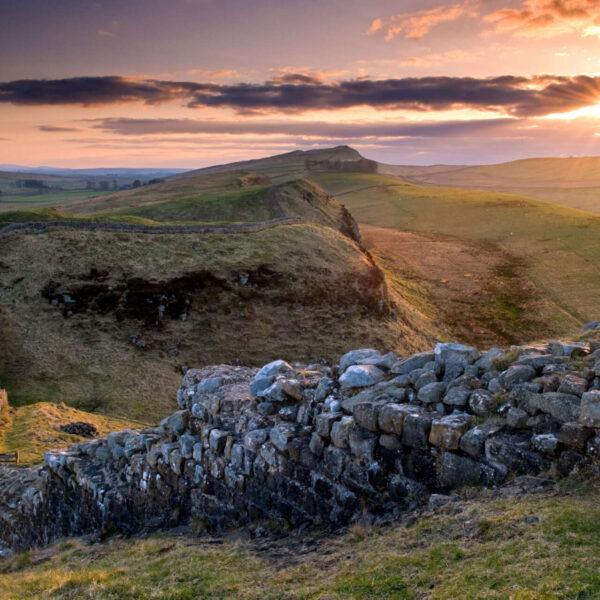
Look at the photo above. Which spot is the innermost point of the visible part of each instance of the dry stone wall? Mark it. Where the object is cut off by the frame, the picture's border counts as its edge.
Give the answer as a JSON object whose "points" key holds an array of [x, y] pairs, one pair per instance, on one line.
{"points": [[320, 446]]}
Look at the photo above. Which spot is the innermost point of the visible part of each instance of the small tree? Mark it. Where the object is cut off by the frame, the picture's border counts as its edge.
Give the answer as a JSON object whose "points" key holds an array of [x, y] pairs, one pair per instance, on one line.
{"points": [[137, 183]]}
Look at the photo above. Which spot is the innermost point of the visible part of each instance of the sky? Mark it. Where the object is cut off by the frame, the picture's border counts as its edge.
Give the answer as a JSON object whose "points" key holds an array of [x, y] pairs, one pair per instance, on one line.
{"points": [[190, 83]]}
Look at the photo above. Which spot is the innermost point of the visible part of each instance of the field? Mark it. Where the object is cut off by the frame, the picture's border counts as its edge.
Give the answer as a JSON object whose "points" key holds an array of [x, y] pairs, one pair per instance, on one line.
{"points": [[12, 202], [532, 548], [554, 249]]}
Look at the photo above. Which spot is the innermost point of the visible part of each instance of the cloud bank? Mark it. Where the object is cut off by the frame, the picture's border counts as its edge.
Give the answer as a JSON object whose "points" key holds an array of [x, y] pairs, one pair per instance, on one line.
{"points": [[510, 95]]}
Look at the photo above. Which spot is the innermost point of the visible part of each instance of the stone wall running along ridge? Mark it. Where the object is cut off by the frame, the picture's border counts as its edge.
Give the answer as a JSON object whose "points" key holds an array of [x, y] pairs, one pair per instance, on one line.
{"points": [[320, 446]]}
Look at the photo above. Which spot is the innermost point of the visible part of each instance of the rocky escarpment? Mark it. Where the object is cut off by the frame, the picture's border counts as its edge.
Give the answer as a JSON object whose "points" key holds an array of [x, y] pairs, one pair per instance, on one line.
{"points": [[321, 446]]}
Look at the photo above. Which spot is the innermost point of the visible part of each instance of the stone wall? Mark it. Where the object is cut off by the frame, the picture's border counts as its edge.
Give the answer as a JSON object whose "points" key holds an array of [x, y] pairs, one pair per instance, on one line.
{"points": [[320, 446]]}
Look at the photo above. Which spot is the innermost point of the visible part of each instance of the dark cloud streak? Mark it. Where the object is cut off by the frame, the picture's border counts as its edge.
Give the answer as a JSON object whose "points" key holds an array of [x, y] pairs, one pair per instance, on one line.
{"points": [[511, 95]]}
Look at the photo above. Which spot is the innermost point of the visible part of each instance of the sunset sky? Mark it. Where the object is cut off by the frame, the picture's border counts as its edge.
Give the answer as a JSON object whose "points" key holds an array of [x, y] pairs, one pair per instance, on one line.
{"points": [[189, 83]]}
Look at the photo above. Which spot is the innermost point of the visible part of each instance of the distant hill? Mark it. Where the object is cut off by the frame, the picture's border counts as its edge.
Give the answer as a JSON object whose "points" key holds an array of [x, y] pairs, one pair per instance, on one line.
{"points": [[573, 182], [290, 165]]}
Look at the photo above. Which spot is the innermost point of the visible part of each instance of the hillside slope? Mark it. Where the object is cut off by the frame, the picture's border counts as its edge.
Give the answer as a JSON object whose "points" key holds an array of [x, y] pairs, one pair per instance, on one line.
{"points": [[546, 274], [573, 182], [107, 324]]}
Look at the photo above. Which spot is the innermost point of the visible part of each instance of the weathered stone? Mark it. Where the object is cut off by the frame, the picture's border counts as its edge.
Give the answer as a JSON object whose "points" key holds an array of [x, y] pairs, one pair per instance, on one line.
{"points": [[324, 388], [416, 361], [447, 431], [457, 396], [259, 384], [340, 431], [547, 443], [186, 443], [255, 438], [563, 407], [572, 384], [266, 408], [458, 470], [431, 393], [449, 353], [482, 403], [323, 423], [424, 379], [513, 452], [366, 415], [288, 413], [415, 430], [494, 385], [516, 418], [199, 411], [209, 384], [362, 443], [589, 414], [217, 440], [593, 447], [574, 435], [516, 374], [365, 356], [361, 376], [103, 454], [473, 441], [389, 441], [292, 388], [175, 423], [176, 461], [486, 360], [569, 349], [317, 445], [281, 434], [273, 368], [391, 418]]}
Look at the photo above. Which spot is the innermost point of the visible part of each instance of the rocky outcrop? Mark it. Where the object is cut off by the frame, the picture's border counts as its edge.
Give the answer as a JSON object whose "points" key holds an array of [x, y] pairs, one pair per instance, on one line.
{"points": [[321, 446]]}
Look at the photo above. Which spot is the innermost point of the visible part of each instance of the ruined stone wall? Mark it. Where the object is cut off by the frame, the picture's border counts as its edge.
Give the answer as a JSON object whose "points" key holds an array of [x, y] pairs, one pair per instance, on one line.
{"points": [[320, 446]]}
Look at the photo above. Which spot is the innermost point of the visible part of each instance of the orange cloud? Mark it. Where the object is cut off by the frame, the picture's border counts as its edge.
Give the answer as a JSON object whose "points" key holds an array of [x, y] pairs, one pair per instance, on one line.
{"points": [[413, 26], [548, 18]]}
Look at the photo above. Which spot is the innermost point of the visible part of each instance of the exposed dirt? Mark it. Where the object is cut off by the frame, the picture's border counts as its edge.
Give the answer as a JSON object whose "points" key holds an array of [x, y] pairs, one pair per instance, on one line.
{"points": [[481, 294]]}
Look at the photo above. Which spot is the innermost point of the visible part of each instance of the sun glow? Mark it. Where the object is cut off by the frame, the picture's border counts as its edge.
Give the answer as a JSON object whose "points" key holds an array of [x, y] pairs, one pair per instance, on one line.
{"points": [[587, 111]]}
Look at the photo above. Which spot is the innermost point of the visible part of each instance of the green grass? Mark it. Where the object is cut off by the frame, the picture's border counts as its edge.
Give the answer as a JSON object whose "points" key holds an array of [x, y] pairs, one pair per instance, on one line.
{"points": [[229, 205], [560, 246], [485, 551], [10, 202]]}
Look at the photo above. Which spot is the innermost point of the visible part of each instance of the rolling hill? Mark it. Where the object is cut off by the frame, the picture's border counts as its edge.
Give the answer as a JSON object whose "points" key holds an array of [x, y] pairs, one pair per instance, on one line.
{"points": [[572, 182]]}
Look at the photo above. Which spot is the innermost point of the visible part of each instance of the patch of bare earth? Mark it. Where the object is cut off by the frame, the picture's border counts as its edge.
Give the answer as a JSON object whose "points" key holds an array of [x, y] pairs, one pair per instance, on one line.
{"points": [[479, 294]]}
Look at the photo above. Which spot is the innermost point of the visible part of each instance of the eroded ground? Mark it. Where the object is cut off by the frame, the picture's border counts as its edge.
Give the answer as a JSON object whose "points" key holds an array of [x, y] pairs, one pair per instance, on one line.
{"points": [[475, 292]]}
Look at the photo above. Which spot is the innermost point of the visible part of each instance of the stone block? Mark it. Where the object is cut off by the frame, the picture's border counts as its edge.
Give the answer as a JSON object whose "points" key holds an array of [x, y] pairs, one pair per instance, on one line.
{"points": [[317, 445], [457, 396], [415, 431], [358, 376], [447, 431], [574, 435], [563, 407], [362, 443], [431, 393], [366, 415], [323, 423], [473, 441], [416, 361], [340, 431], [589, 415], [482, 403], [573, 384], [391, 418]]}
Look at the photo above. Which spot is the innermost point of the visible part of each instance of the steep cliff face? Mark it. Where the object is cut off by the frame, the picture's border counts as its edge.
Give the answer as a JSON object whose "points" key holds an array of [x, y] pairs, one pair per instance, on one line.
{"points": [[321, 446]]}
